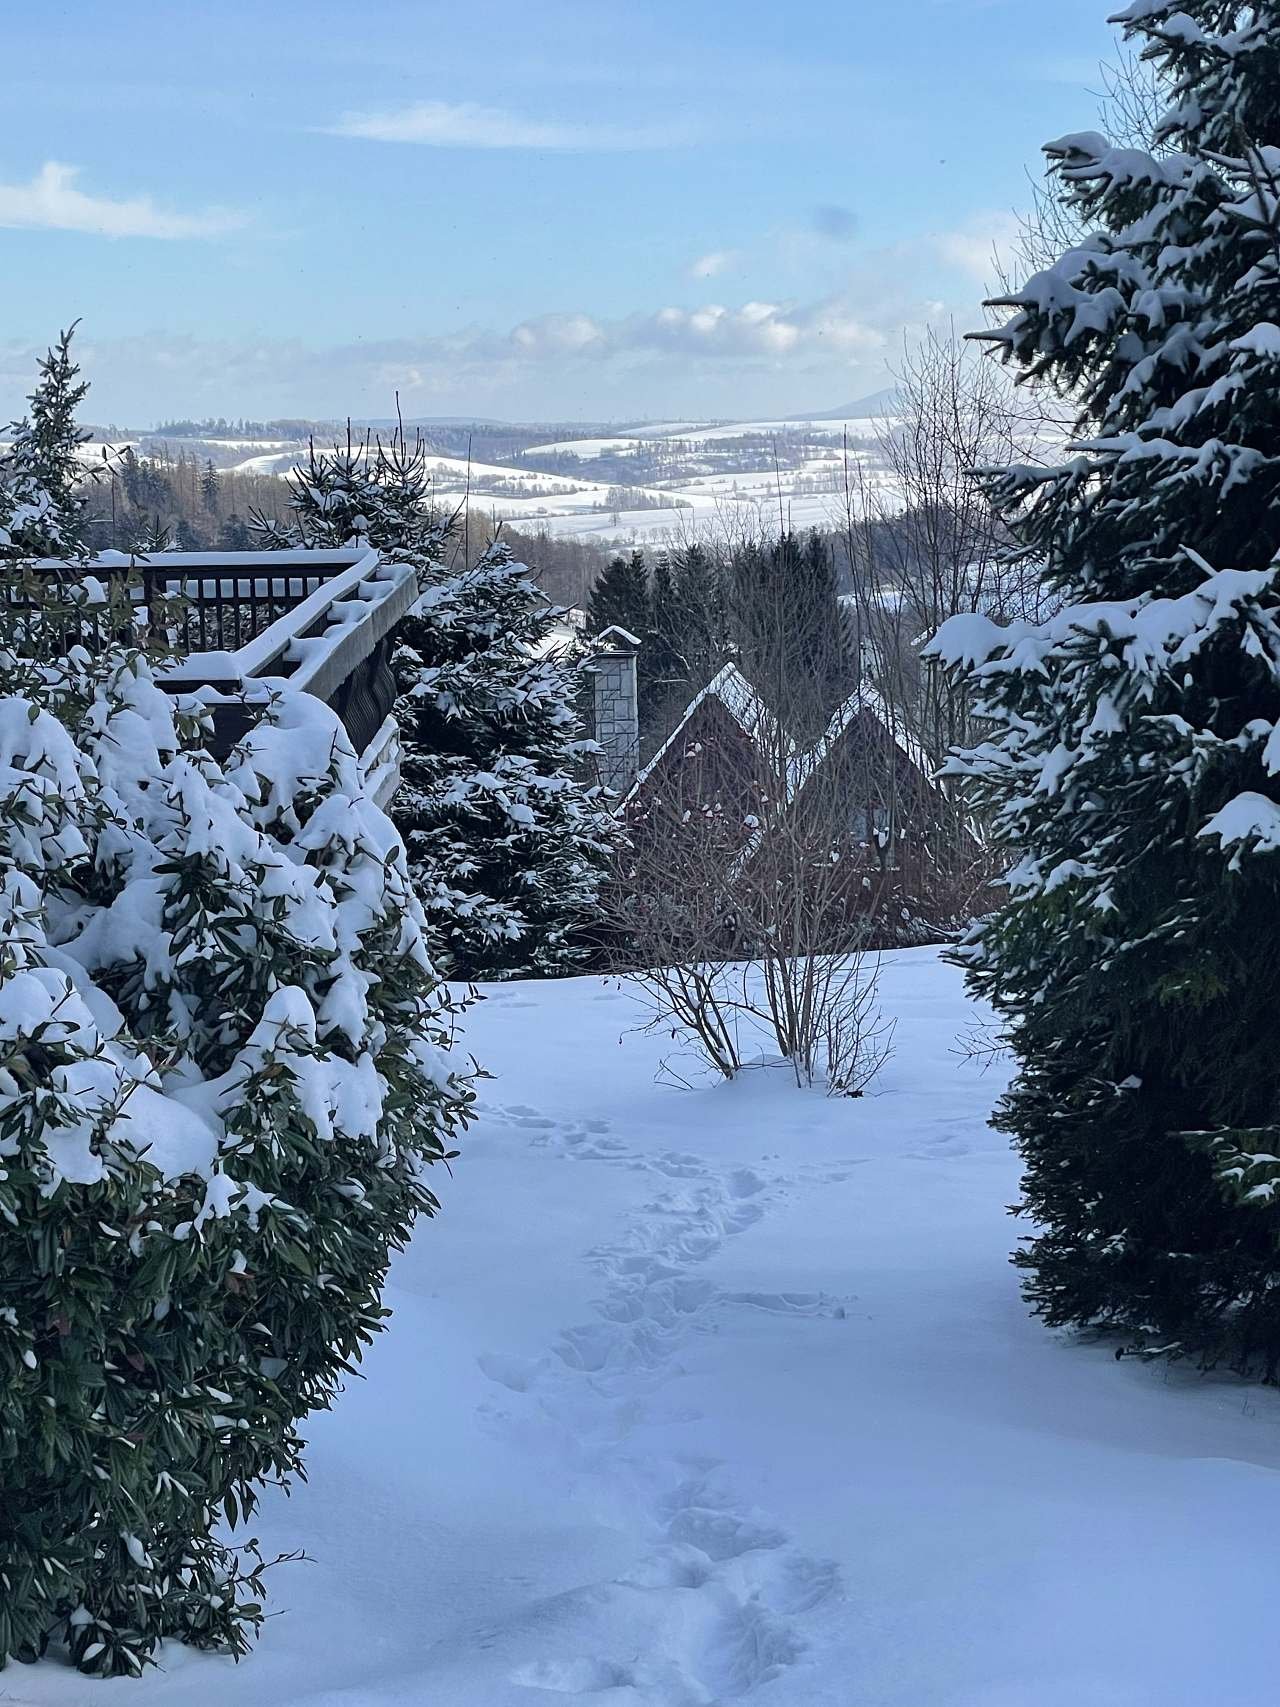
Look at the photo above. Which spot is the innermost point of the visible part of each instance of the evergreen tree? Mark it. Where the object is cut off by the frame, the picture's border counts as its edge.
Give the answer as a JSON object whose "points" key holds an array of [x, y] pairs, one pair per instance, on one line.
{"points": [[506, 844], [42, 475], [234, 534], [623, 598], [363, 494], [620, 598], [788, 626], [154, 534], [335, 497], [666, 658], [687, 639], [221, 1073], [700, 610], [185, 536], [210, 488], [402, 519], [268, 534], [1132, 765]]}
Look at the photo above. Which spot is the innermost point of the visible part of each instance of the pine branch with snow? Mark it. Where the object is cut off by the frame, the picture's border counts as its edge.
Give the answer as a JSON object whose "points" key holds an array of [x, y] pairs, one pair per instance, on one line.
{"points": [[1131, 766]]}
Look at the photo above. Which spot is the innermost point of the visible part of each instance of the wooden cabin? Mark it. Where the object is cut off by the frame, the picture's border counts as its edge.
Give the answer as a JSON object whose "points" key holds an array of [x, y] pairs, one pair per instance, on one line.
{"points": [[731, 784]]}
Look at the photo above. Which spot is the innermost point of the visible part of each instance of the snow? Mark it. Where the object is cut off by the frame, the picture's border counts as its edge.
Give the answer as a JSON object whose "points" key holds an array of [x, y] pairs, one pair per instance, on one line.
{"points": [[695, 512], [1249, 817], [727, 1393], [721, 492]]}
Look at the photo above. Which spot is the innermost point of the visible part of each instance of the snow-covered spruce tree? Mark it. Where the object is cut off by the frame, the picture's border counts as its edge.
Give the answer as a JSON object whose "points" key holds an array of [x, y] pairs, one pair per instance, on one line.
{"points": [[42, 503], [363, 493], [222, 1066], [1133, 765], [333, 498], [506, 843]]}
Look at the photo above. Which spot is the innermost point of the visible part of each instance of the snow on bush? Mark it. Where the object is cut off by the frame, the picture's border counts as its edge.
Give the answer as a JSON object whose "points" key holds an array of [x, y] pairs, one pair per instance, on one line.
{"points": [[223, 1066]]}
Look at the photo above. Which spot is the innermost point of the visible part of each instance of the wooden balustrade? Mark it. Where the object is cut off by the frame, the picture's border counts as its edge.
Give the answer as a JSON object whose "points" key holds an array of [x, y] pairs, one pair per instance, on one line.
{"points": [[242, 623]]}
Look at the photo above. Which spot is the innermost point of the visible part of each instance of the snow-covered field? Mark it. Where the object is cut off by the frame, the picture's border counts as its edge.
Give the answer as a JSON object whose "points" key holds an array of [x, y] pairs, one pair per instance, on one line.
{"points": [[701, 514], [712, 432], [697, 1396], [723, 492], [732, 496]]}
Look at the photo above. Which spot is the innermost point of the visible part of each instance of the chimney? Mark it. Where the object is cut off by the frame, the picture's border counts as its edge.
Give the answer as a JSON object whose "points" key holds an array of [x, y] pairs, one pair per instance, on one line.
{"points": [[617, 707]]}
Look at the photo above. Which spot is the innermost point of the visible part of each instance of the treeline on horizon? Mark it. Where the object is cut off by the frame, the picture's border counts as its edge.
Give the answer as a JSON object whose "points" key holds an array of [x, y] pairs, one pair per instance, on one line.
{"points": [[182, 502]]}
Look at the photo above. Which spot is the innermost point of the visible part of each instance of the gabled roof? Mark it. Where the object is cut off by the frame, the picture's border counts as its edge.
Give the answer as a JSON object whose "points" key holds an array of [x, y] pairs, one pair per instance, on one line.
{"points": [[759, 724]]}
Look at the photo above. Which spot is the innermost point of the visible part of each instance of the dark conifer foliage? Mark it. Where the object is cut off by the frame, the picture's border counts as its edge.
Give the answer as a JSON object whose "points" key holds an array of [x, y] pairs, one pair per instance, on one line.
{"points": [[42, 474], [1132, 766], [787, 624], [621, 597], [506, 841]]}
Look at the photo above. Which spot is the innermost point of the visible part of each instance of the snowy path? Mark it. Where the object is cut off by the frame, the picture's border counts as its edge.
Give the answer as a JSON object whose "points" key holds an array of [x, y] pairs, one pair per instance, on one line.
{"points": [[728, 1395], [719, 1587]]}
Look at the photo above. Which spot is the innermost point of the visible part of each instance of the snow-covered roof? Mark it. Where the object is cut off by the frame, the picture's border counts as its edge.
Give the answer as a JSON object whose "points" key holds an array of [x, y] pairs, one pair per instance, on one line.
{"points": [[758, 723]]}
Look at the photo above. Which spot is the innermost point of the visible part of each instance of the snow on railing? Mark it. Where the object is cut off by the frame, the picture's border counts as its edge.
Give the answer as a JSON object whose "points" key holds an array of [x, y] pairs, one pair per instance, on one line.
{"points": [[322, 621], [334, 644]]}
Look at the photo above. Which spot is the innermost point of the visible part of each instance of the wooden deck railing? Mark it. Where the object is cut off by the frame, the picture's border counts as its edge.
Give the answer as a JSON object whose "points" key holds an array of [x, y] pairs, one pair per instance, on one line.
{"points": [[243, 622]]}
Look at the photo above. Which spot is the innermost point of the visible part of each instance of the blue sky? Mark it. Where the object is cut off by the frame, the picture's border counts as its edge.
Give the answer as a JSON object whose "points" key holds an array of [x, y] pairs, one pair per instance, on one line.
{"points": [[552, 210]]}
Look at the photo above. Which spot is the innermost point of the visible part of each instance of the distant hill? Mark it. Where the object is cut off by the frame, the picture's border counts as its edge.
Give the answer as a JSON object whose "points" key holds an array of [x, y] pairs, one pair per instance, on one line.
{"points": [[877, 403], [384, 423]]}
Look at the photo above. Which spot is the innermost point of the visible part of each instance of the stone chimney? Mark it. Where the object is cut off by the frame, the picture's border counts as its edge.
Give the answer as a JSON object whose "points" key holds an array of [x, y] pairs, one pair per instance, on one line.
{"points": [[617, 708]]}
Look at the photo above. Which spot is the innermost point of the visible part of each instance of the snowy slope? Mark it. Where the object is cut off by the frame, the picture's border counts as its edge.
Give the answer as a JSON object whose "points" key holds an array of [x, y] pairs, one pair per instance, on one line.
{"points": [[717, 485], [689, 479], [823, 428], [723, 1394], [509, 492]]}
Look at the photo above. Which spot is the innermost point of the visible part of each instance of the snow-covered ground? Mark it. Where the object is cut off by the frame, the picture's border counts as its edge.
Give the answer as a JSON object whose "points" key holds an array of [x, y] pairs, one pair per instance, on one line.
{"points": [[708, 509], [697, 1396], [722, 493], [712, 432], [731, 495]]}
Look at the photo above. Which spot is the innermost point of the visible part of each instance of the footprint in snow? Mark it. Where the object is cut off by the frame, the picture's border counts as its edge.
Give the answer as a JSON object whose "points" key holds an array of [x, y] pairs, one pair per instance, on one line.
{"points": [[573, 1677], [521, 1115], [516, 1374], [745, 1182], [745, 1647], [744, 1579], [782, 1303], [720, 1534], [680, 1166]]}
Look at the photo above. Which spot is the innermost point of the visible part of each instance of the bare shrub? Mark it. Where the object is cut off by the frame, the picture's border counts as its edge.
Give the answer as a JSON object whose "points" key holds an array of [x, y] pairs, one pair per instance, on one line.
{"points": [[757, 870], [671, 912]]}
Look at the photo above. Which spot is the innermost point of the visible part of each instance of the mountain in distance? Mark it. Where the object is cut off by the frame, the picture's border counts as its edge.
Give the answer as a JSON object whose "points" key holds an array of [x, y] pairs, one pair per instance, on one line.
{"points": [[882, 402]]}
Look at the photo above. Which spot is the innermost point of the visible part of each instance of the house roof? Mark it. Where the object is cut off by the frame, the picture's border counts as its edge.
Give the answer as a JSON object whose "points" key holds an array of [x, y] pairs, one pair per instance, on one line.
{"points": [[758, 723]]}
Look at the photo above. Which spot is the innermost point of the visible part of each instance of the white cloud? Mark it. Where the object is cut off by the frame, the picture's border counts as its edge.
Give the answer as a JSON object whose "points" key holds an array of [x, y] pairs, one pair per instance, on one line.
{"points": [[707, 266], [448, 124], [51, 202], [719, 358], [714, 332], [979, 247]]}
